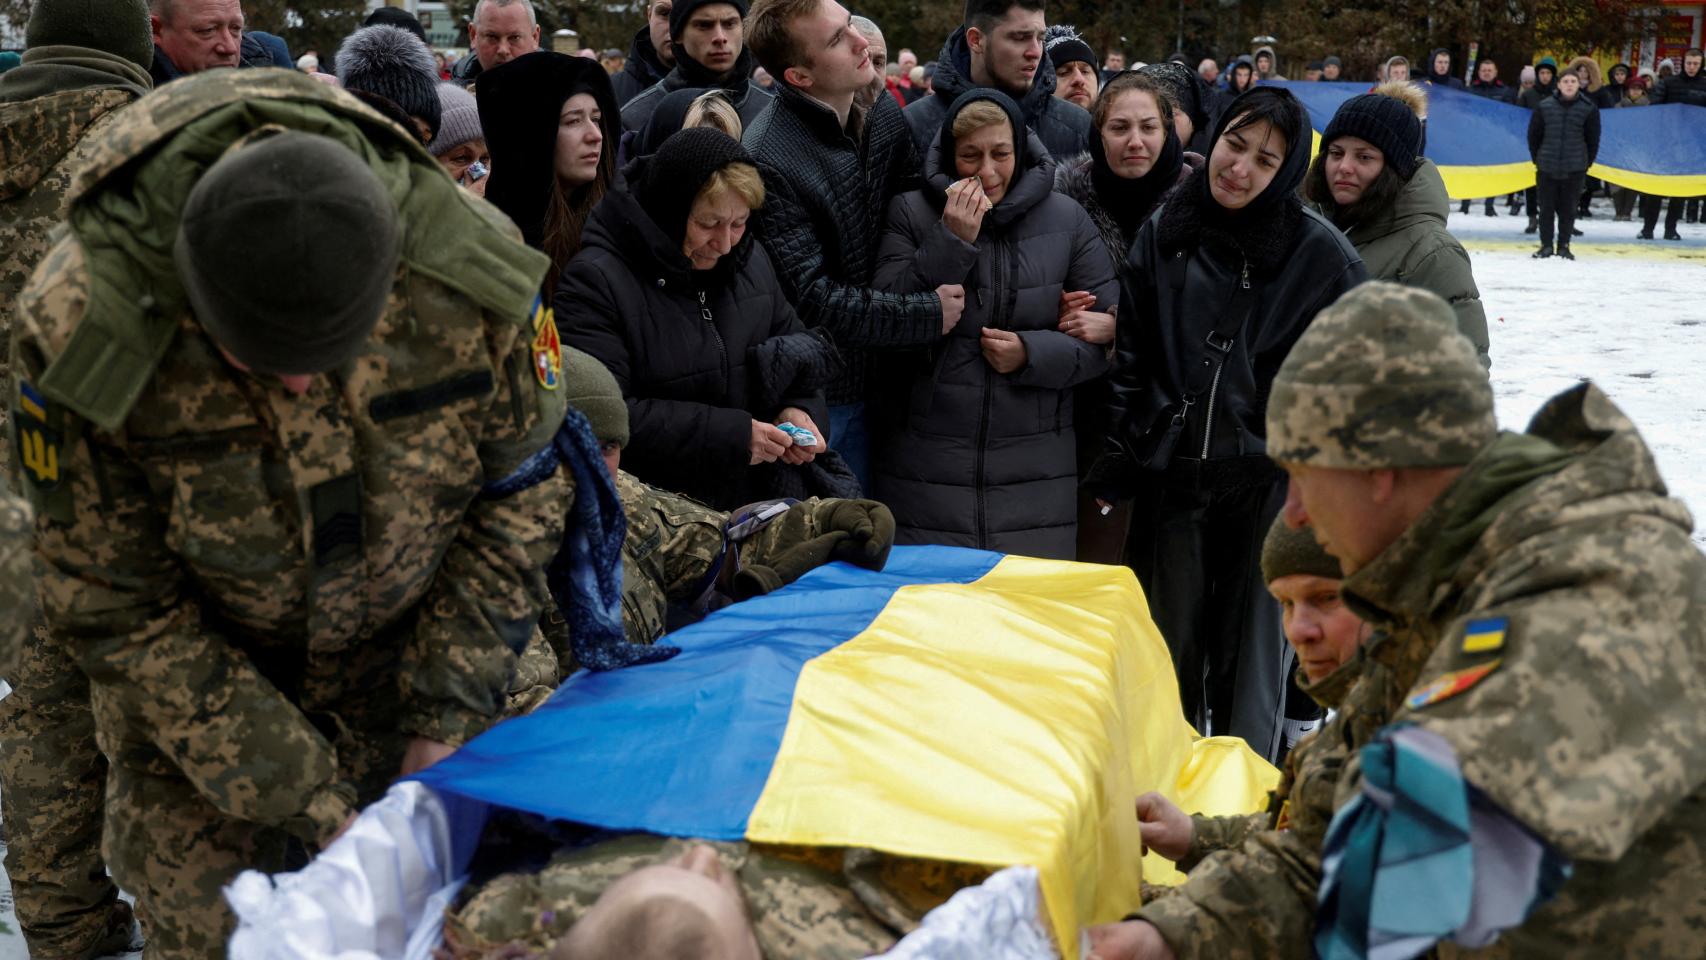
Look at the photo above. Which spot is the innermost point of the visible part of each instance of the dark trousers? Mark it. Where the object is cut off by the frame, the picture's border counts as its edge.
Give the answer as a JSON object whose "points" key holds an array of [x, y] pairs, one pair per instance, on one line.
{"points": [[1558, 197], [1650, 211], [1196, 547]]}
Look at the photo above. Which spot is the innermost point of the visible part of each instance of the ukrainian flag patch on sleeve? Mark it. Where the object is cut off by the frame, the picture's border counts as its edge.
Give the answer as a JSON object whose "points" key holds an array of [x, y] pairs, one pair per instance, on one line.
{"points": [[38, 441], [1485, 636]]}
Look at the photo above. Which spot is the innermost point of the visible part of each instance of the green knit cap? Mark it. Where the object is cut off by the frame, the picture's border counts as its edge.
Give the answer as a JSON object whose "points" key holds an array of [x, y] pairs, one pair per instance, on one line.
{"points": [[118, 27], [593, 391], [1287, 552], [1381, 379]]}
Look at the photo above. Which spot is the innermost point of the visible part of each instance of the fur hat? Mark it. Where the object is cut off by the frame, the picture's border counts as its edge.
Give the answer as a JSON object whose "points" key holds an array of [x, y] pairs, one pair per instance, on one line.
{"points": [[395, 64]]}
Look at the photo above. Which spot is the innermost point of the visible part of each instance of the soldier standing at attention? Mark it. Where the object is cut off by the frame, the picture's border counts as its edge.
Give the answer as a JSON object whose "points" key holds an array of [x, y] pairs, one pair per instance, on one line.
{"points": [[85, 61], [1537, 682], [264, 413]]}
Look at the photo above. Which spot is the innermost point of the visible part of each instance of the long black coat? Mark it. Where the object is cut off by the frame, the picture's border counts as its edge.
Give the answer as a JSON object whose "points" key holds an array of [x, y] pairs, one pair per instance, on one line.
{"points": [[680, 344], [978, 458]]}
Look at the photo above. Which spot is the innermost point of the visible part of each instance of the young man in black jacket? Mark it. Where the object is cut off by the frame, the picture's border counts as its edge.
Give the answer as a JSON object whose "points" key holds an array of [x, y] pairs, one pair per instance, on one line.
{"points": [[1487, 84], [650, 57], [1689, 86], [708, 39], [830, 168], [1563, 139]]}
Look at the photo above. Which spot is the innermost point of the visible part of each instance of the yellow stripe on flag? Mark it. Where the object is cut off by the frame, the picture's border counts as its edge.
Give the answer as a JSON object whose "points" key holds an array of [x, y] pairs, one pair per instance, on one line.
{"points": [[1008, 721]]}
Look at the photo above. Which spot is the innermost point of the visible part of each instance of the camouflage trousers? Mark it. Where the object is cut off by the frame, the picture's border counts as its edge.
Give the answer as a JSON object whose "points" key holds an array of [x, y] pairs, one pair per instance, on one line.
{"points": [[52, 779]]}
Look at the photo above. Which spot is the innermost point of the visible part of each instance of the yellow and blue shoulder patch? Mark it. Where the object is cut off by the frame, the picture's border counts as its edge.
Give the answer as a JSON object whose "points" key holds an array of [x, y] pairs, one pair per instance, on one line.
{"points": [[1485, 636], [38, 438], [1450, 685], [547, 347]]}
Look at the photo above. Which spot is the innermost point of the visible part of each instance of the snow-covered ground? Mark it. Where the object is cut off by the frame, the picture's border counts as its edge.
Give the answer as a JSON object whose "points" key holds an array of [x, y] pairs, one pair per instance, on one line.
{"points": [[1629, 315]]}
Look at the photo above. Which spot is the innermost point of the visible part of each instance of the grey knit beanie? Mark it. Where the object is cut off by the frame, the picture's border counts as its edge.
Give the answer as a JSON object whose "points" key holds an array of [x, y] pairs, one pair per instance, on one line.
{"points": [[459, 119], [594, 392], [392, 63]]}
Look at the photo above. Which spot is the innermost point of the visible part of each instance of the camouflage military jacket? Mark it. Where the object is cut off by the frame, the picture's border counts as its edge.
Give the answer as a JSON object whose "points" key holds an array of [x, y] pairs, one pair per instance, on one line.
{"points": [[219, 545], [17, 585], [39, 151], [806, 903], [672, 554]]}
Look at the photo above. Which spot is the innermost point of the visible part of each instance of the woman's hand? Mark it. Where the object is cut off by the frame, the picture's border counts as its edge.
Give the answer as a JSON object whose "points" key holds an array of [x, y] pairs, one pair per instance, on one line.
{"points": [[1089, 326], [1130, 940], [1072, 301], [963, 212], [796, 454], [1004, 350], [1164, 827], [767, 443]]}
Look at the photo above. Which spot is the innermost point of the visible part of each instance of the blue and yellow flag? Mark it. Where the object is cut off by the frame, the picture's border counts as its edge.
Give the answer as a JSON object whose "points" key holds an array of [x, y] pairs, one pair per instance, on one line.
{"points": [[959, 705], [1481, 145]]}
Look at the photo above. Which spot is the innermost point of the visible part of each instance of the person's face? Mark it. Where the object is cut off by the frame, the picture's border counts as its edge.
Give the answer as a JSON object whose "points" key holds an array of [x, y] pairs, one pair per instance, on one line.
{"points": [[1487, 72], [611, 451], [500, 34], [715, 226], [1442, 63], [1243, 163], [1543, 75], [1348, 511], [713, 36], [1398, 71], [1114, 62], [1330, 72], [1619, 76], [1318, 625], [1691, 66], [1568, 84], [1311, 74], [840, 59], [1209, 71], [1352, 165], [1264, 64], [457, 160], [878, 51], [1012, 49], [987, 154], [1076, 81], [1241, 77], [580, 140], [907, 61], [657, 27], [695, 880], [200, 34], [1133, 134]]}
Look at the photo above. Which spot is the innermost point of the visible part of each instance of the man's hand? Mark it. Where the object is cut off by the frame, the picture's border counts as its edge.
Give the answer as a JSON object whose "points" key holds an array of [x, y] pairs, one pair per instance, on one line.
{"points": [[964, 208], [1072, 301], [953, 305], [767, 443], [1128, 940], [423, 753], [1004, 350], [1165, 828], [796, 454]]}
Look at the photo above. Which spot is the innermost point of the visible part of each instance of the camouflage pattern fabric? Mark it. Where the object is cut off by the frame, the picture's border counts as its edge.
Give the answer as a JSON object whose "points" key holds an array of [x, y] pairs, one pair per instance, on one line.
{"points": [[805, 903], [672, 555], [1382, 378]]}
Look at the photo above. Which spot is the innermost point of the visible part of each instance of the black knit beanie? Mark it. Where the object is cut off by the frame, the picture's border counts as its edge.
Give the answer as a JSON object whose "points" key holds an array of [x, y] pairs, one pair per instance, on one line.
{"points": [[287, 250], [118, 27], [681, 12], [1387, 123], [679, 170], [1185, 86], [1063, 45], [397, 17], [395, 64]]}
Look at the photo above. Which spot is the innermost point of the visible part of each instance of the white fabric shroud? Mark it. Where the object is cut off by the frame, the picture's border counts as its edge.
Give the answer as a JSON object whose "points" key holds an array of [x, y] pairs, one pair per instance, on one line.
{"points": [[378, 891], [1000, 919]]}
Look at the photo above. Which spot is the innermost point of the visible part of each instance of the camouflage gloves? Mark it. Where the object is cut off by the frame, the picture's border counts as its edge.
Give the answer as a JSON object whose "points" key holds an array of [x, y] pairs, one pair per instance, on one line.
{"points": [[810, 535]]}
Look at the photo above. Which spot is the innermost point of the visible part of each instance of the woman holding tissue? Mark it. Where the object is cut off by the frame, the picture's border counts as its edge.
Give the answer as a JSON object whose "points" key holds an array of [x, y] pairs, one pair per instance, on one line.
{"points": [[977, 447]]}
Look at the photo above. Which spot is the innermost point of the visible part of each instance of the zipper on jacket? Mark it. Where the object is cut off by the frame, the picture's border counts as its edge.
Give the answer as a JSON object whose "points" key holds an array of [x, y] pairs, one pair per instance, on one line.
{"points": [[1214, 386], [722, 348], [982, 520]]}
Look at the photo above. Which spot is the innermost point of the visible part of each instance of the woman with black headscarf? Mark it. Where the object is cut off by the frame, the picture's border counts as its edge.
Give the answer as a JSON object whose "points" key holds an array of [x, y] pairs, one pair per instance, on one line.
{"points": [[551, 125], [983, 453], [1135, 160], [1223, 281], [673, 296]]}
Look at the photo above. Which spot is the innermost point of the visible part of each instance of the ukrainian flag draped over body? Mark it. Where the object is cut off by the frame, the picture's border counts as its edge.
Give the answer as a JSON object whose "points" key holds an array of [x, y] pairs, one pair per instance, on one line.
{"points": [[959, 705]]}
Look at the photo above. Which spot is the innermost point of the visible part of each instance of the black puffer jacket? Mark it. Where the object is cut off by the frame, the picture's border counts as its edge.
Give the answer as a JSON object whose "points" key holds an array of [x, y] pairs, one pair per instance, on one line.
{"points": [[640, 70], [977, 458], [1678, 88], [1063, 127], [826, 192], [749, 99], [681, 344], [1187, 269], [1563, 135]]}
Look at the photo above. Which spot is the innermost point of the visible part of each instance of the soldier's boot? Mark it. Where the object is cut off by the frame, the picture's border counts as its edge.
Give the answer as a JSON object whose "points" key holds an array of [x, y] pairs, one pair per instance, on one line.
{"points": [[53, 783]]}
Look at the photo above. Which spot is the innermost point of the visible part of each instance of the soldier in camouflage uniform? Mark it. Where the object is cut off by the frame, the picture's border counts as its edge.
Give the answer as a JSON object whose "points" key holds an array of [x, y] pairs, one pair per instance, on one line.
{"points": [[257, 467], [1543, 615], [84, 63]]}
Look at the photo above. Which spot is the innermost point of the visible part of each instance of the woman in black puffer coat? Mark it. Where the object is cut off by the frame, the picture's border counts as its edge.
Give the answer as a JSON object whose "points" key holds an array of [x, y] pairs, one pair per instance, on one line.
{"points": [[672, 295], [1224, 278], [982, 455]]}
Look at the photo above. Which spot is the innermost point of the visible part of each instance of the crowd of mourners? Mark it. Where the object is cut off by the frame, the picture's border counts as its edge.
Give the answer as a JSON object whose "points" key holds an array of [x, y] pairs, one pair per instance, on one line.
{"points": [[1024, 298]]}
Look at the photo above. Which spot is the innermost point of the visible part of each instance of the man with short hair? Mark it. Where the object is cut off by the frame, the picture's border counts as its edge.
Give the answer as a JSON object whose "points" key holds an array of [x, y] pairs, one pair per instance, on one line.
{"points": [[195, 35], [1000, 46], [709, 41], [1487, 84], [651, 55], [830, 169], [1689, 86], [1332, 69], [1113, 63], [1540, 618], [1076, 78], [1563, 141], [500, 31], [1208, 70], [1312, 71], [1439, 70], [878, 50]]}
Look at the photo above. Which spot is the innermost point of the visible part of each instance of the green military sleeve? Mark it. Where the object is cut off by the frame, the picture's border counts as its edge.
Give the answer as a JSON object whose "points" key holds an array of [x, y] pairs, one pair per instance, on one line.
{"points": [[485, 600], [1213, 834]]}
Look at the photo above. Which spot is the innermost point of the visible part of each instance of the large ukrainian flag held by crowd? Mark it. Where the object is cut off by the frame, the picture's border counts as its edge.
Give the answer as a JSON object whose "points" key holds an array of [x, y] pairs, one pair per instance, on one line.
{"points": [[959, 705], [1481, 145]]}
